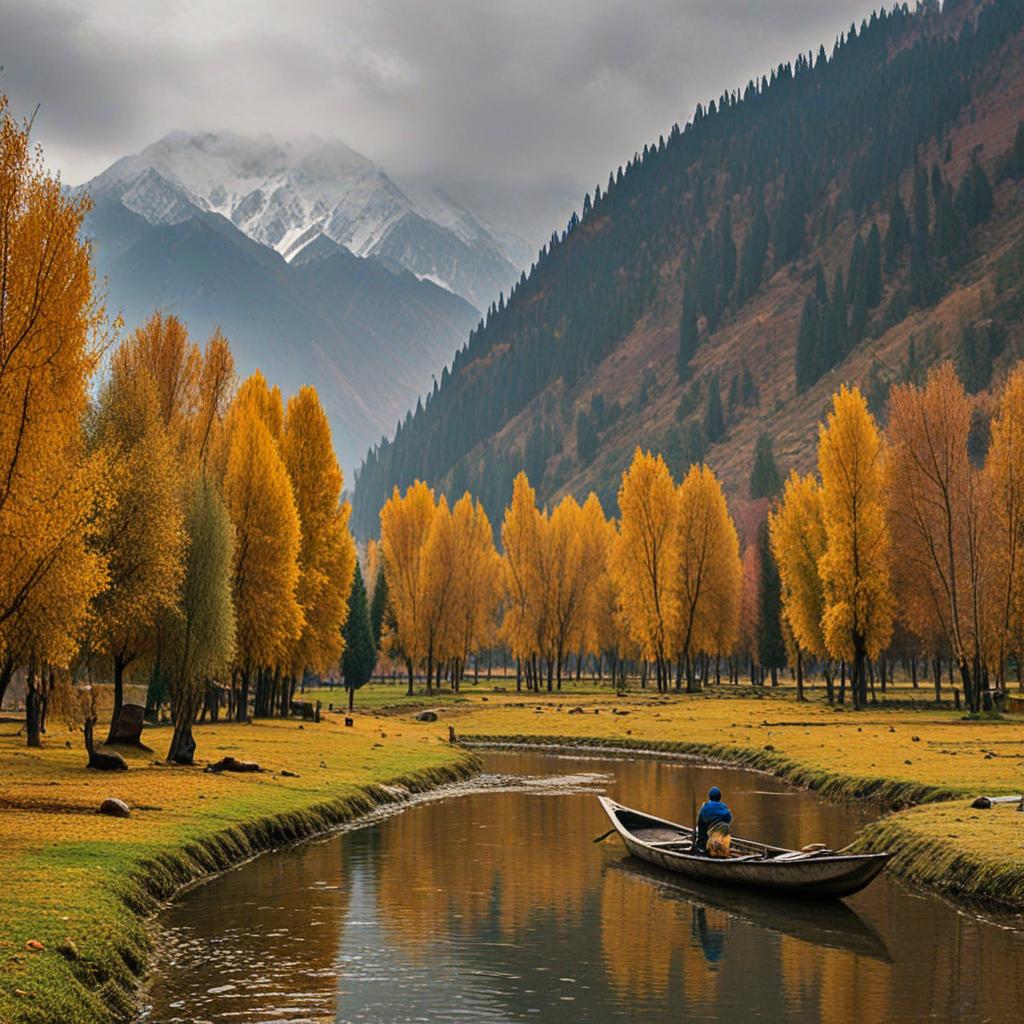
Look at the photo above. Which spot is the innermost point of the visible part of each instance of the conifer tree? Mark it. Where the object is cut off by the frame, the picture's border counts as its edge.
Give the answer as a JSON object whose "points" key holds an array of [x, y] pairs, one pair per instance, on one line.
{"points": [[689, 335], [359, 655], [765, 480], [379, 606], [771, 646], [873, 268], [714, 415]]}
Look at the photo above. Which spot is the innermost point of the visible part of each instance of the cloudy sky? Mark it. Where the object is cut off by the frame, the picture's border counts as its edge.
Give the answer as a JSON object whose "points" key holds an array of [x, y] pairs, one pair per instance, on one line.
{"points": [[523, 103]]}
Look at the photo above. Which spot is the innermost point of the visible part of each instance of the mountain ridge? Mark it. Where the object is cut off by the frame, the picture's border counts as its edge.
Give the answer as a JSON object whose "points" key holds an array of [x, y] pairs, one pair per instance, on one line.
{"points": [[585, 361], [282, 194]]}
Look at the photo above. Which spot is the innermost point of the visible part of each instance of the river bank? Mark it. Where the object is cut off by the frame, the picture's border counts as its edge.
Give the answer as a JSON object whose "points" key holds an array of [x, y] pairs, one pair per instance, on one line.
{"points": [[924, 766], [82, 885]]}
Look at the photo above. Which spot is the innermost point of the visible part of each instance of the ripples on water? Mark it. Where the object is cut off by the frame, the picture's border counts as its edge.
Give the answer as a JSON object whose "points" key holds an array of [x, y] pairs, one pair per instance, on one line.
{"points": [[483, 903]]}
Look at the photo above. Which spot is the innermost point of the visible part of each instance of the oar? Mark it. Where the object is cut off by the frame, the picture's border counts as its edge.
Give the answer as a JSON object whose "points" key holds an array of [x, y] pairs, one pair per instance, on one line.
{"points": [[605, 836]]}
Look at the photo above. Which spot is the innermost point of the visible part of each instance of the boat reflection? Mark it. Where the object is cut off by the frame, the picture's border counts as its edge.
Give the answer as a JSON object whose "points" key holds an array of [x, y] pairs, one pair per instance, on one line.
{"points": [[833, 925]]}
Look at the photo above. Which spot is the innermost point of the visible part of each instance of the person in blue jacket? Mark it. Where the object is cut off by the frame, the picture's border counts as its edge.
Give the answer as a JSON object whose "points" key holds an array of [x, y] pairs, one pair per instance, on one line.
{"points": [[713, 811]]}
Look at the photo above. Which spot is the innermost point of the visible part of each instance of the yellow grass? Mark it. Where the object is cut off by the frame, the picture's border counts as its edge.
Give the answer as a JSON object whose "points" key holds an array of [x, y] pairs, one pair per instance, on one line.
{"points": [[67, 873]]}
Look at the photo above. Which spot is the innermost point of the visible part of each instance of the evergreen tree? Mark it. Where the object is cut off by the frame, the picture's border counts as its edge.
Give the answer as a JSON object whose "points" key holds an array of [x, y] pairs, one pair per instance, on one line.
{"points": [[922, 285], [807, 346], [873, 268], [898, 235], [586, 438], [689, 333], [714, 415], [378, 607], [1015, 161], [770, 644], [765, 479], [360, 654]]}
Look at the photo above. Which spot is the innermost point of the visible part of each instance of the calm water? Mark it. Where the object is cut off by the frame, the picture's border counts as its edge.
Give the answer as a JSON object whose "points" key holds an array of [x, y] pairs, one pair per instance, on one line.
{"points": [[495, 906]]}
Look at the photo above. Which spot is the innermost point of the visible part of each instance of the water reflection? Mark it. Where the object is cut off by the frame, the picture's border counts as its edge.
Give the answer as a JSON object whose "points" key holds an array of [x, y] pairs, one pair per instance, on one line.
{"points": [[497, 907]]}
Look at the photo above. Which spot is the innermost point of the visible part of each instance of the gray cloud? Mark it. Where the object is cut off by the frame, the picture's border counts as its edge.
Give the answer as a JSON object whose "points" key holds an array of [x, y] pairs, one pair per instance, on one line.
{"points": [[524, 102]]}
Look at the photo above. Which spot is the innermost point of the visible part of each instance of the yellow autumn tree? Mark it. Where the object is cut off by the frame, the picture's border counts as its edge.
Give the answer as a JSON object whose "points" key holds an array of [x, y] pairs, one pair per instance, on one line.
{"points": [[476, 587], [573, 559], [52, 333], [1004, 471], [404, 525], [216, 384], [646, 559], [161, 348], [796, 531], [140, 536], [855, 567], [327, 554], [258, 494], [439, 559], [937, 514], [709, 576], [522, 546]]}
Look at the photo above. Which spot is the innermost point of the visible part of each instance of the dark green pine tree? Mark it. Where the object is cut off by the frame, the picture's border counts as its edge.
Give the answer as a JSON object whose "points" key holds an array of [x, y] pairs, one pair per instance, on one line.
{"points": [[765, 479], [922, 284], [770, 644], [360, 654], [714, 415], [836, 341], [586, 438], [693, 447], [379, 607], [873, 268], [755, 249], [689, 333], [807, 346], [727, 256], [898, 235]]}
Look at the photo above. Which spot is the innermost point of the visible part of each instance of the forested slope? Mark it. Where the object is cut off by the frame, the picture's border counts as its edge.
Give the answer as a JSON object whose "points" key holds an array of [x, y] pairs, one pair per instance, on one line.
{"points": [[854, 215]]}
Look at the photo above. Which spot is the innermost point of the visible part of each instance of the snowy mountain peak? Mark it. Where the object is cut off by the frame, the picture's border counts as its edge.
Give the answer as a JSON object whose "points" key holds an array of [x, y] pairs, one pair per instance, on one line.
{"points": [[284, 194]]}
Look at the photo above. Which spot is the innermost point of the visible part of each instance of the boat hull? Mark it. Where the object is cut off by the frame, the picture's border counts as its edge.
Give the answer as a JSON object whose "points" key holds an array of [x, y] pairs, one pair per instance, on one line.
{"points": [[820, 877]]}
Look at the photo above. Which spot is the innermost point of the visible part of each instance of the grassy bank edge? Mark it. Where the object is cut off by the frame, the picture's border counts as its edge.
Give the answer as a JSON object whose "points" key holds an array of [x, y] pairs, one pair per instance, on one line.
{"points": [[81, 991], [932, 863]]}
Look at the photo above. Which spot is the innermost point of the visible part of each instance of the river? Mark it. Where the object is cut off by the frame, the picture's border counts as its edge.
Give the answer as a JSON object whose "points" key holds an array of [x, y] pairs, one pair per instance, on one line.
{"points": [[491, 904]]}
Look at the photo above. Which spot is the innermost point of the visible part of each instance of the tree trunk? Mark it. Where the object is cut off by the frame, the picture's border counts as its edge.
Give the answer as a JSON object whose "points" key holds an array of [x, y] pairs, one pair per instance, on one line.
{"points": [[119, 667], [32, 701], [351, 697], [800, 675], [242, 699], [408, 664], [183, 744], [6, 674]]}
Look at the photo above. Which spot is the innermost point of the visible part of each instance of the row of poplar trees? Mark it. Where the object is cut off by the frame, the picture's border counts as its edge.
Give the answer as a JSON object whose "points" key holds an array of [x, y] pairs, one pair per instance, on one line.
{"points": [[898, 530], [904, 529], [154, 518], [662, 584]]}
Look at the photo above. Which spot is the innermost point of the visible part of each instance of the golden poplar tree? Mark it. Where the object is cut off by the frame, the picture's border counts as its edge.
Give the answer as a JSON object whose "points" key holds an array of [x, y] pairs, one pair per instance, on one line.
{"points": [[140, 537], [855, 567], [937, 514], [404, 525], [646, 560], [522, 545], [1004, 471], [606, 633], [437, 572], [796, 531], [710, 573], [51, 337], [476, 587], [327, 555], [259, 499]]}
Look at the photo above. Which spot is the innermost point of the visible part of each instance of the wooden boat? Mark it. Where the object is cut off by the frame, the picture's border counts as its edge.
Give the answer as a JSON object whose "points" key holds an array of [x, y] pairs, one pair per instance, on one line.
{"points": [[816, 873]]}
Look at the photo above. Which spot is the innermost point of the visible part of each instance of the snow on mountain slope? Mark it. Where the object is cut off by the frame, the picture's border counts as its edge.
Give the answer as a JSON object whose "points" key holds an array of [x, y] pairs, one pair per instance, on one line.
{"points": [[285, 194]]}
